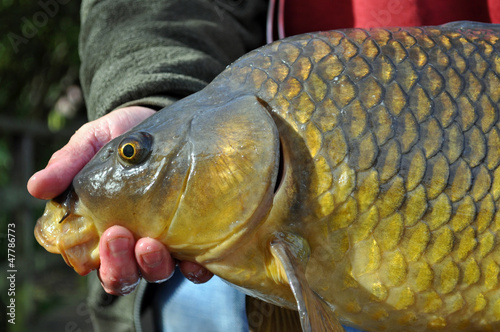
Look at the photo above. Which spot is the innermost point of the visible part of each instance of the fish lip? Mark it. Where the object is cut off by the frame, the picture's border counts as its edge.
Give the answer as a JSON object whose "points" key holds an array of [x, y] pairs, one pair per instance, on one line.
{"points": [[45, 228], [79, 252], [44, 239], [88, 247], [62, 229]]}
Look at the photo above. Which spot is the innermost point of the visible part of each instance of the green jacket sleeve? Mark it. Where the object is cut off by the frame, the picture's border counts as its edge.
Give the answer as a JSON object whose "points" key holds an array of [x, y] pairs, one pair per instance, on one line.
{"points": [[154, 52]]}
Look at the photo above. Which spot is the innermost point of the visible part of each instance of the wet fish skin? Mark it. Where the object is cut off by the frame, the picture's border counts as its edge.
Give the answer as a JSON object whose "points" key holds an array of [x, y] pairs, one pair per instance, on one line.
{"points": [[401, 206], [388, 198]]}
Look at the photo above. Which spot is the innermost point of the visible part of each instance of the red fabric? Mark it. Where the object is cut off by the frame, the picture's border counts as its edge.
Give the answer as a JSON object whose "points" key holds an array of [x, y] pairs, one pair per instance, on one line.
{"points": [[373, 13], [313, 15], [494, 7]]}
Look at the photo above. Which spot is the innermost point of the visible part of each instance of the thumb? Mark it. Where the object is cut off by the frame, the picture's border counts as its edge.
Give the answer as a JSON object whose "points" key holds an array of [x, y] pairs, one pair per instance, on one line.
{"points": [[83, 145]]}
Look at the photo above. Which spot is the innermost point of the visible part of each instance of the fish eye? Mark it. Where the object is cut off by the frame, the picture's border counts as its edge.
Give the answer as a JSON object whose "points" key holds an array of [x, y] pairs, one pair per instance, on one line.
{"points": [[135, 148]]}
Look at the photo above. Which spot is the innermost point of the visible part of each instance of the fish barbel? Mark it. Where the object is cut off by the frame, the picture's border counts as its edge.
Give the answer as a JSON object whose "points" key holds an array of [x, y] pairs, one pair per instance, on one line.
{"points": [[351, 174]]}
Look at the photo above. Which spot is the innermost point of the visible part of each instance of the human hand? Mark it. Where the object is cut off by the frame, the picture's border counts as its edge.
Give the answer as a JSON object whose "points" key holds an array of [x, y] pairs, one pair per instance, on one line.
{"points": [[122, 258], [83, 145]]}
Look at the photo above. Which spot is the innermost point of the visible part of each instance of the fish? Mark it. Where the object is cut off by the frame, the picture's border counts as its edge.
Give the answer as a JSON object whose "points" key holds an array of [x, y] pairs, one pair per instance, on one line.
{"points": [[352, 175]]}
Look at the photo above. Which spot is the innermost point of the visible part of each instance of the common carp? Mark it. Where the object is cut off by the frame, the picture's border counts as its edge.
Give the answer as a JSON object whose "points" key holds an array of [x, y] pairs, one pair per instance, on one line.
{"points": [[351, 174]]}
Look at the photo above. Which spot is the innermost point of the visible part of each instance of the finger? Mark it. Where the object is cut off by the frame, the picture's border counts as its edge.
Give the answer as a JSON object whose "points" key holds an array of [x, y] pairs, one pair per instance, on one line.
{"points": [[58, 174], [83, 145], [154, 260], [195, 272], [118, 271]]}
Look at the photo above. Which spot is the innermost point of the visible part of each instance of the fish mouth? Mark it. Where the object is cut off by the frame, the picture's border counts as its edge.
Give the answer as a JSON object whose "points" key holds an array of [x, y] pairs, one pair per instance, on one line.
{"points": [[61, 230]]}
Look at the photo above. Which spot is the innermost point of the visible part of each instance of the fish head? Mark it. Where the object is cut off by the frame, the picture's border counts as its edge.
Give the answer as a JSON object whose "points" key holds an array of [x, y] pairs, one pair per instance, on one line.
{"points": [[194, 176]]}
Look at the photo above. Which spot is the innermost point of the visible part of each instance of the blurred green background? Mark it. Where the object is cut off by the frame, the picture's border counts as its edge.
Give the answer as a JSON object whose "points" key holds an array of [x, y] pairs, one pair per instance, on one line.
{"points": [[40, 107]]}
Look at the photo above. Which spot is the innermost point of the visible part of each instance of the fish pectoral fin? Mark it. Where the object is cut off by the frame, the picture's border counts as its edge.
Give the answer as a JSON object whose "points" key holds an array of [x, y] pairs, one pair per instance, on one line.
{"points": [[315, 314]]}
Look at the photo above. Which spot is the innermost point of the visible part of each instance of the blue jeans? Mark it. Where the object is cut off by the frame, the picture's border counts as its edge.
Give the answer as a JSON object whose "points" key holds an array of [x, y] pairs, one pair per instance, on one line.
{"points": [[210, 307]]}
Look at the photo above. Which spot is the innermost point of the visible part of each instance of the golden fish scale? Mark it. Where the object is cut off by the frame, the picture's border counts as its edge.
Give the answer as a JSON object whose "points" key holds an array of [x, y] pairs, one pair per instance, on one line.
{"points": [[403, 130]]}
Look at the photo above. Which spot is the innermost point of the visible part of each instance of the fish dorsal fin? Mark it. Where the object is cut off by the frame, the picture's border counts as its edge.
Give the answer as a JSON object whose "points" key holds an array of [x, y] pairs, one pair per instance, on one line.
{"points": [[471, 25], [267, 317], [315, 314]]}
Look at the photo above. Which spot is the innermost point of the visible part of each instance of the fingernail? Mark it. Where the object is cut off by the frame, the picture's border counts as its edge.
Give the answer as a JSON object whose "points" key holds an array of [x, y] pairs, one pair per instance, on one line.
{"points": [[129, 288], [196, 277], [119, 246], [152, 259]]}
